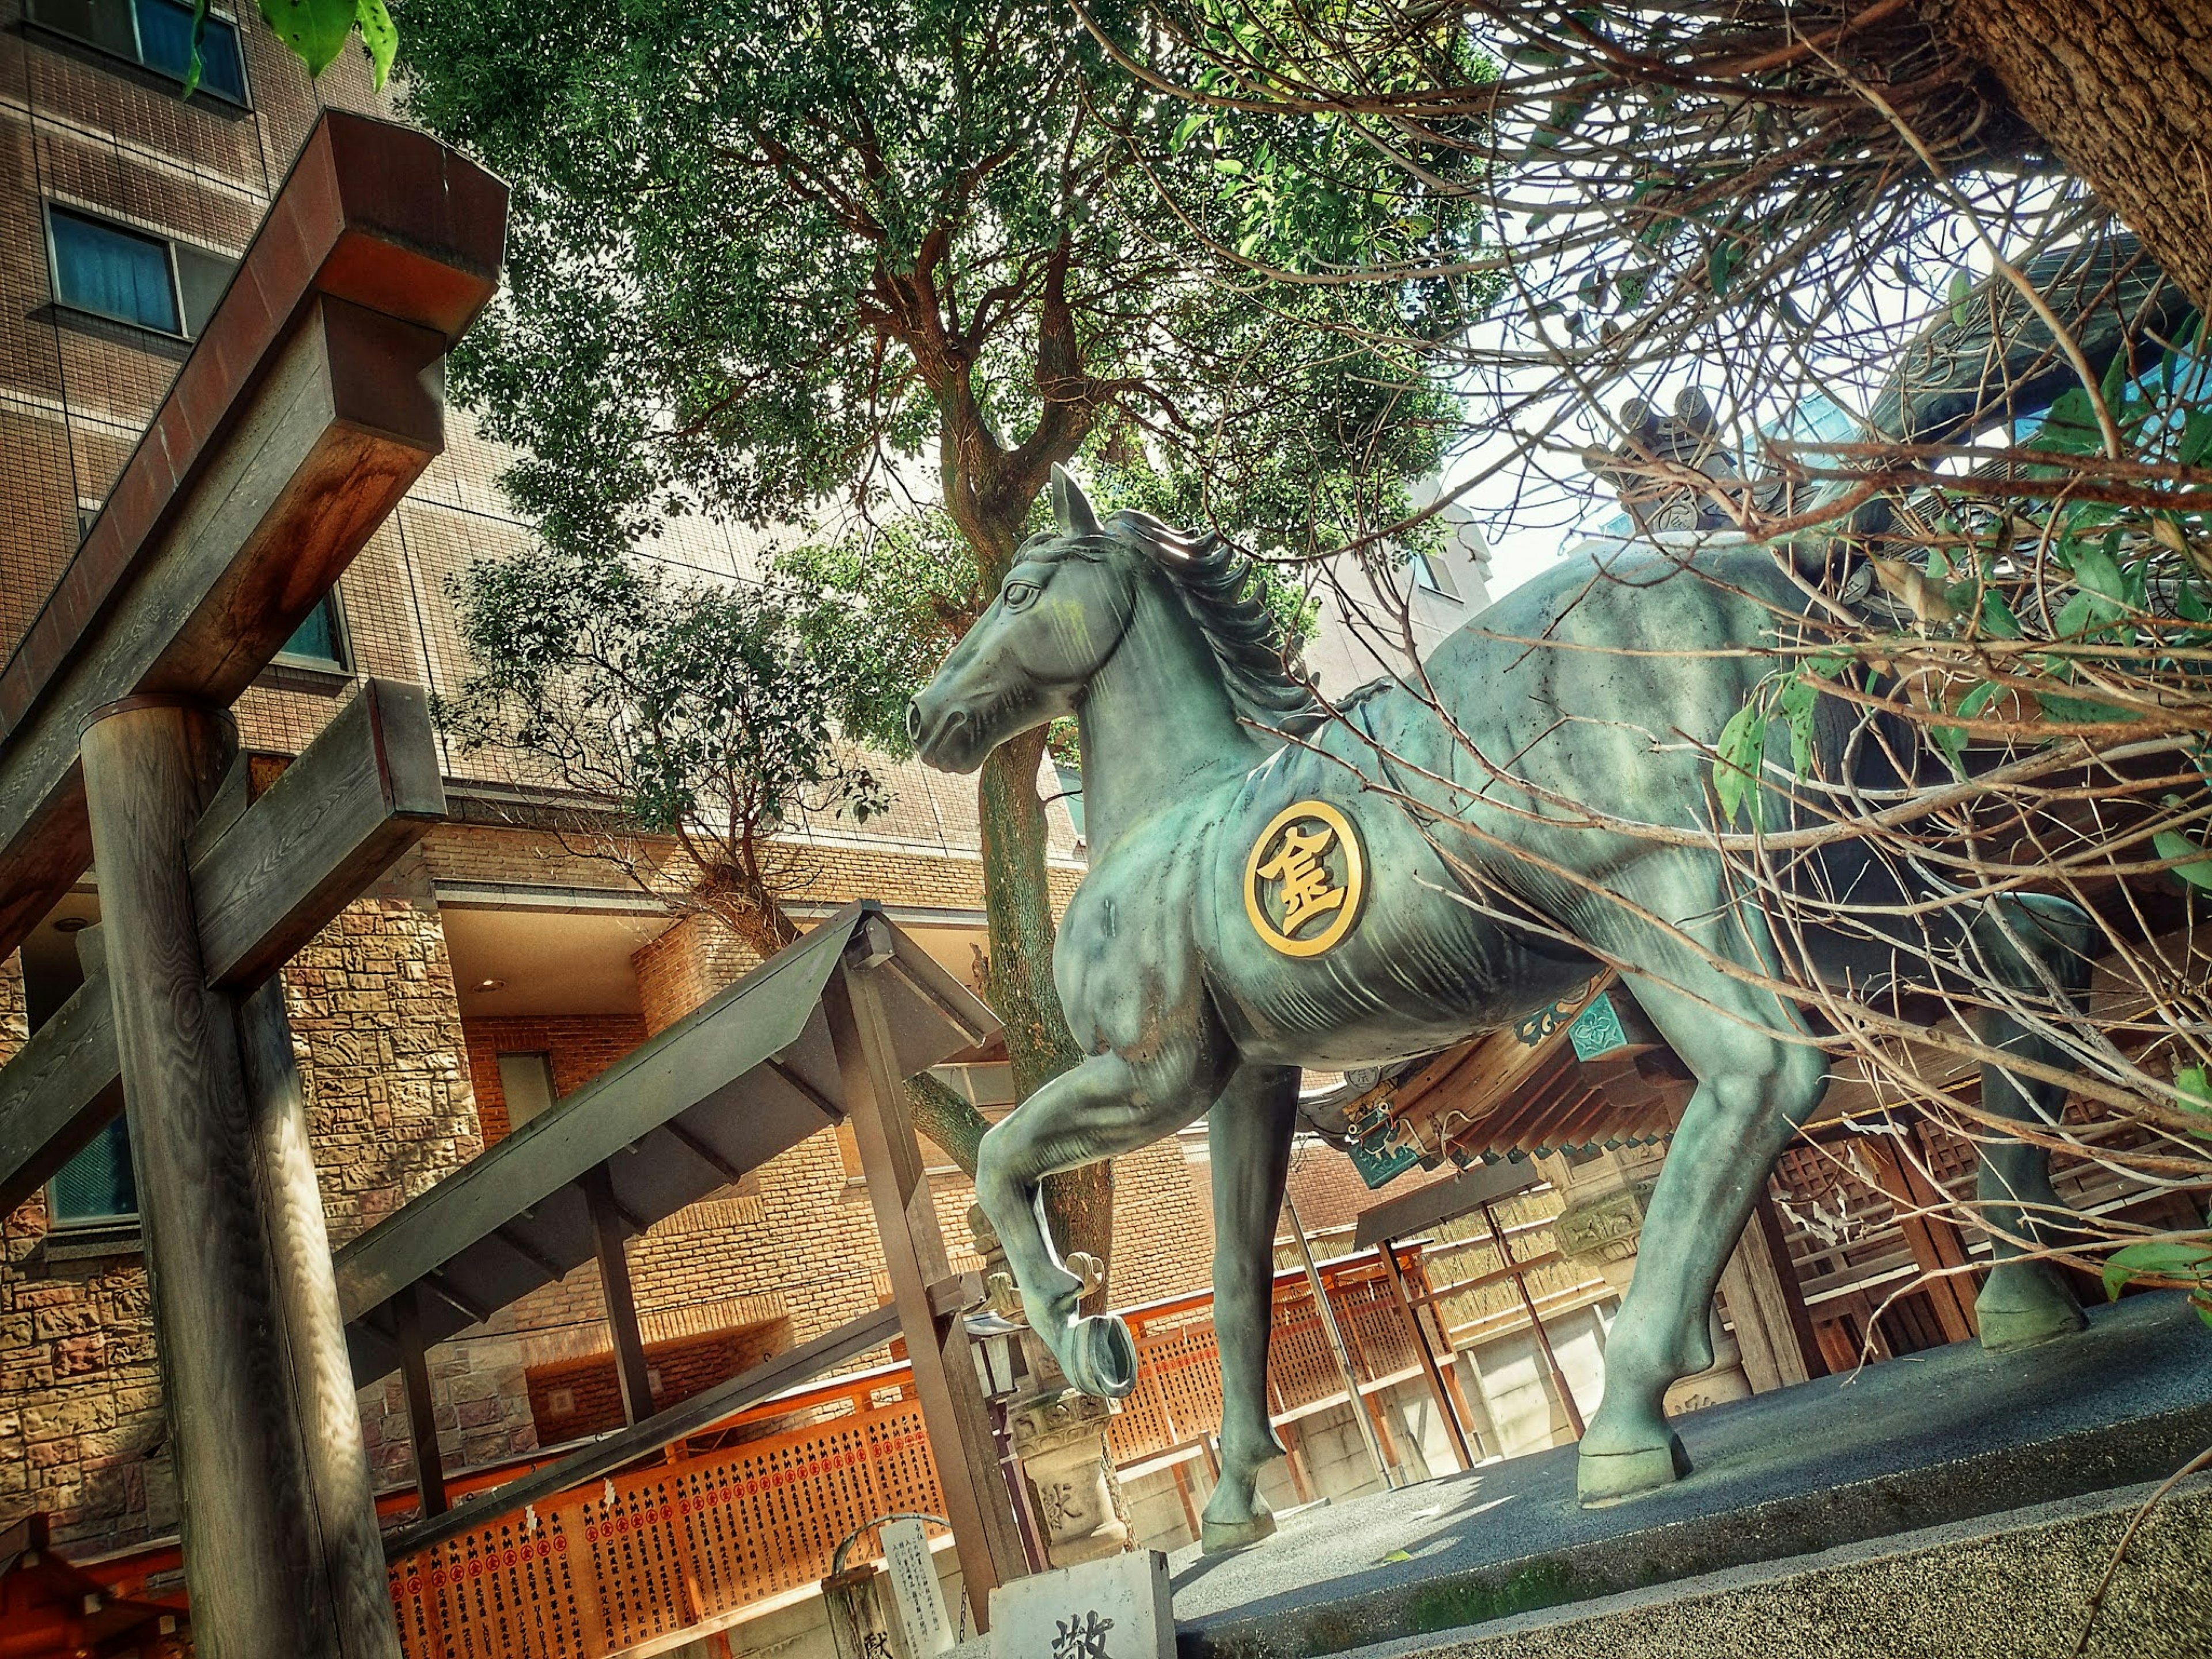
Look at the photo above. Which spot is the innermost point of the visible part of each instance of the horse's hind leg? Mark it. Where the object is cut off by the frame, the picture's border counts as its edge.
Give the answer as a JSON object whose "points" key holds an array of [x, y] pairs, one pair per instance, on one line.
{"points": [[1756, 1082], [2026, 1300], [1248, 1132]]}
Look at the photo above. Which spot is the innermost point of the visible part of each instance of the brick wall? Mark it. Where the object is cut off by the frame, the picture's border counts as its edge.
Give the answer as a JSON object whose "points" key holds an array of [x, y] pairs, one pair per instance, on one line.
{"points": [[581, 1047], [579, 1397]]}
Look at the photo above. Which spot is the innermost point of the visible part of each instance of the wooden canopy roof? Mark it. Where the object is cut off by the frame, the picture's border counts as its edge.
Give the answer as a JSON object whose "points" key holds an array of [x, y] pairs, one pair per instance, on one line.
{"points": [[749, 1074]]}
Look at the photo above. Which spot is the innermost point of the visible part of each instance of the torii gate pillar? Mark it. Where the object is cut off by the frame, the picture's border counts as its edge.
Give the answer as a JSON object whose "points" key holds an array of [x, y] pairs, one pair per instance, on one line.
{"points": [[281, 1549]]}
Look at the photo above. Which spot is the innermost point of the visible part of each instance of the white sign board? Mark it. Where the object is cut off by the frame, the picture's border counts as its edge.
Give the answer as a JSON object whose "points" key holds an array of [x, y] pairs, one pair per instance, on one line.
{"points": [[915, 1594], [1115, 1608]]}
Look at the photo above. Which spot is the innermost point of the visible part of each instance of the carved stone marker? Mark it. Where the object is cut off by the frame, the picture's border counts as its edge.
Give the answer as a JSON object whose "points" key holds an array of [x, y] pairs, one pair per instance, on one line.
{"points": [[1115, 1608], [917, 1599]]}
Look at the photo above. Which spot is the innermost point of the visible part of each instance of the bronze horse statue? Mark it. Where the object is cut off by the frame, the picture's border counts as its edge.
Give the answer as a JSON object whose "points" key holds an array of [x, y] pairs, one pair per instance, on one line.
{"points": [[1269, 890]]}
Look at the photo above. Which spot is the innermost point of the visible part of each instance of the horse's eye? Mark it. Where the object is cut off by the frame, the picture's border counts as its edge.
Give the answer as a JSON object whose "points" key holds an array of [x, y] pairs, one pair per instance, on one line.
{"points": [[1019, 594]]}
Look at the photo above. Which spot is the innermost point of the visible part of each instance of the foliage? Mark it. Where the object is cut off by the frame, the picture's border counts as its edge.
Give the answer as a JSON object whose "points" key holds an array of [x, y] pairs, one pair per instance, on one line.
{"points": [[761, 255], [701, 711], [316, 32]]}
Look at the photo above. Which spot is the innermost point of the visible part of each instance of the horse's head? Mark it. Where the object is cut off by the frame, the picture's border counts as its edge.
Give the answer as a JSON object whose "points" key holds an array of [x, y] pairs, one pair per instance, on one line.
{"points": [[1056, 619]]}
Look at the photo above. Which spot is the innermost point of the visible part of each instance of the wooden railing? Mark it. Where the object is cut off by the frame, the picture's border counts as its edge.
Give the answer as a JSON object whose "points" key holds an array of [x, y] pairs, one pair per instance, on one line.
{"points": [[753, 1510], [660, 1549]]}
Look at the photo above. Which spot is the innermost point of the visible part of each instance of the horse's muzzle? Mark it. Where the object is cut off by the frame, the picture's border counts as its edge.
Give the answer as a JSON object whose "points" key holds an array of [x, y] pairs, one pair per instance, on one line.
{"points": [[944, 737]]}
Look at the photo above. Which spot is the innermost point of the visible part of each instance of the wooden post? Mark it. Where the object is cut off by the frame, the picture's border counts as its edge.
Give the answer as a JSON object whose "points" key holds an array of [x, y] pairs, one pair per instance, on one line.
{"points": [[422, 1408], [952, 1407], [608, 1231], [1934, 1247], [1335, 1335], [1535, 1323], [1436, 1381], [255, 1544], [307, 1310]]}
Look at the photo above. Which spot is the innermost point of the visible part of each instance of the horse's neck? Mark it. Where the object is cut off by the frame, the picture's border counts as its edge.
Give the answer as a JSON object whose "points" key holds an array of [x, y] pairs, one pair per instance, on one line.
{"points": [[1155, 720]]}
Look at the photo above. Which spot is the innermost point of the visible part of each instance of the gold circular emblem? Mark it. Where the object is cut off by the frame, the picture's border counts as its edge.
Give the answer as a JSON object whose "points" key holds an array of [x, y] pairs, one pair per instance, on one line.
{"points": [[1306, 879]]}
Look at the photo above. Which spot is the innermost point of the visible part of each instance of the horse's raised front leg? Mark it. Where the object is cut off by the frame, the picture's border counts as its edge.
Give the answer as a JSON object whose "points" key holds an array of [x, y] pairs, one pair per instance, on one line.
{"points": [[1249, 1133], [1105, 1107], [1754, 1086], [2026, 1300]]}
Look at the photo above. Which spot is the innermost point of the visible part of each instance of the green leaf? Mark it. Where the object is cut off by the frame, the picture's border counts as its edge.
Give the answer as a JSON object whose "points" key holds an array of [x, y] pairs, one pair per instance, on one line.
{"points": [[378, 34], [2194, 1085], [2071, 427], [1738, 758], [2096, 571], [1800, 700], [1721, 264], [2190, 862], [199, 32], [2116, 378], [1997, 618], [1962, 291], [1951, 740], [1978, 699], [316, 30], [2195, 436], [2155, 1258]]}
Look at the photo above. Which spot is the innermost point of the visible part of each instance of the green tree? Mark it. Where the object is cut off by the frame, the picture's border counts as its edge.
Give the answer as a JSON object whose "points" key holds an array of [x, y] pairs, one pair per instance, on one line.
{"points": [[700, 711], [764, 256]]}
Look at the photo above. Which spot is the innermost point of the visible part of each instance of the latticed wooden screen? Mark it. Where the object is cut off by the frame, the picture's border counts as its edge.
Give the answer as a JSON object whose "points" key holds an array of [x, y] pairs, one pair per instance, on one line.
{"points": [[652, 1551], [648, 1552], [1178, 1393]]}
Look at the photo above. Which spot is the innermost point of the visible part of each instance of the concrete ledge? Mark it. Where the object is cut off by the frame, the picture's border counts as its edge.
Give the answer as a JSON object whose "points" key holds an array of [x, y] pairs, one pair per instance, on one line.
{"points": [[1929, 1441], [2010, 1586]]}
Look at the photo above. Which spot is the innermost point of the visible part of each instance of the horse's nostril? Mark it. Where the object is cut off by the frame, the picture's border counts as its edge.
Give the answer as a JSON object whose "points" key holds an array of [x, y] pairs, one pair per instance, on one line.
{"points": [[913, 721]]}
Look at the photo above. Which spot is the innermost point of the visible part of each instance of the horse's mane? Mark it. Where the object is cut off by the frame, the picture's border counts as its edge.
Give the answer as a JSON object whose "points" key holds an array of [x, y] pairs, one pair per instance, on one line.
{"points": [[1212, 580]]}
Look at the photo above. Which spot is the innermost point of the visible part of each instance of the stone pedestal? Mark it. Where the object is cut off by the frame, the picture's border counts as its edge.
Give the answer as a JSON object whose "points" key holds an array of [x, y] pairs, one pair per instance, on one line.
{"points": [[1060, 1434], [1058, 1431]]}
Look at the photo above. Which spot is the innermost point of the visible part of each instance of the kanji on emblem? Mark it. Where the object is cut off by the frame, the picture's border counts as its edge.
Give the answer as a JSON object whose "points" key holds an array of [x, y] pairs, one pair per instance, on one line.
{"points": [[1081, 1639], [1304, 885]]}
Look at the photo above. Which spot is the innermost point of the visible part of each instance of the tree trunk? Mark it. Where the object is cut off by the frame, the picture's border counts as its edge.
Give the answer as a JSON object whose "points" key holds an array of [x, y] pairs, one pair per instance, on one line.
{"points": [[2122, 89], [1018, 906]]}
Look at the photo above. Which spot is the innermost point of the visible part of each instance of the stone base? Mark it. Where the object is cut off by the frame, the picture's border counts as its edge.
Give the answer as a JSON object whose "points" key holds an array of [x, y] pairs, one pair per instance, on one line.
{"points": [[2003, 1586], [1938, 1439]]}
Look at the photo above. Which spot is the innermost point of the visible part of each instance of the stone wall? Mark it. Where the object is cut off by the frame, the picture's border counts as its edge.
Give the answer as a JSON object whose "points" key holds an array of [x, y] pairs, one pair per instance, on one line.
{"points": [[377, 1028], [81, 1423]]}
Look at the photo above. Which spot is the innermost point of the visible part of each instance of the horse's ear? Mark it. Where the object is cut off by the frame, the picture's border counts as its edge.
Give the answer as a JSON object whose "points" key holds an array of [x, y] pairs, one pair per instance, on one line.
{"points": [[1071, 507]]}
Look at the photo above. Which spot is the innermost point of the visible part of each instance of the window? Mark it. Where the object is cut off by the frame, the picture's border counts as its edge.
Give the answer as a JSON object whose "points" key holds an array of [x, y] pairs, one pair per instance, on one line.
{"points": [[113, 271], [317, 642], [157, 34], [1433, 575], [526, 1080], [96, 1187]]}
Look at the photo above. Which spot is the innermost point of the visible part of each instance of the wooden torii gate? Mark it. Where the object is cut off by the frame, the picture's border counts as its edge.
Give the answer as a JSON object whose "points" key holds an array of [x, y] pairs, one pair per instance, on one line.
{"points": [[311, 402]]}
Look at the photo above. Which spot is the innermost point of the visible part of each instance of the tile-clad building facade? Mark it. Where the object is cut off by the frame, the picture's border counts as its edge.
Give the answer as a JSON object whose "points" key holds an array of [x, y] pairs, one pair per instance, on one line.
{"points": [[492, 950]]}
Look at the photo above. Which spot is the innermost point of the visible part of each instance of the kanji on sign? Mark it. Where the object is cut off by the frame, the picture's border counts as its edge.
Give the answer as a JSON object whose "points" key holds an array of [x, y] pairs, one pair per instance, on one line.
{"points": [[1083, 1637]]}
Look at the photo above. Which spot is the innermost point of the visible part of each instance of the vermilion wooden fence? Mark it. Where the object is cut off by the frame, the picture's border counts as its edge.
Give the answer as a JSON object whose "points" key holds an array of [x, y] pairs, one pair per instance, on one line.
{"points": [[750, 1512]]}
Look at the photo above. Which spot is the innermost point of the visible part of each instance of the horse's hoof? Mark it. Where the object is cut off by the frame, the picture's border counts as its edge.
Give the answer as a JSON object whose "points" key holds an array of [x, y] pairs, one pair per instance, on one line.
{"points": [[1219, 1537], [2026, 1304], [1101, 1358], [1603, 1478]]}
